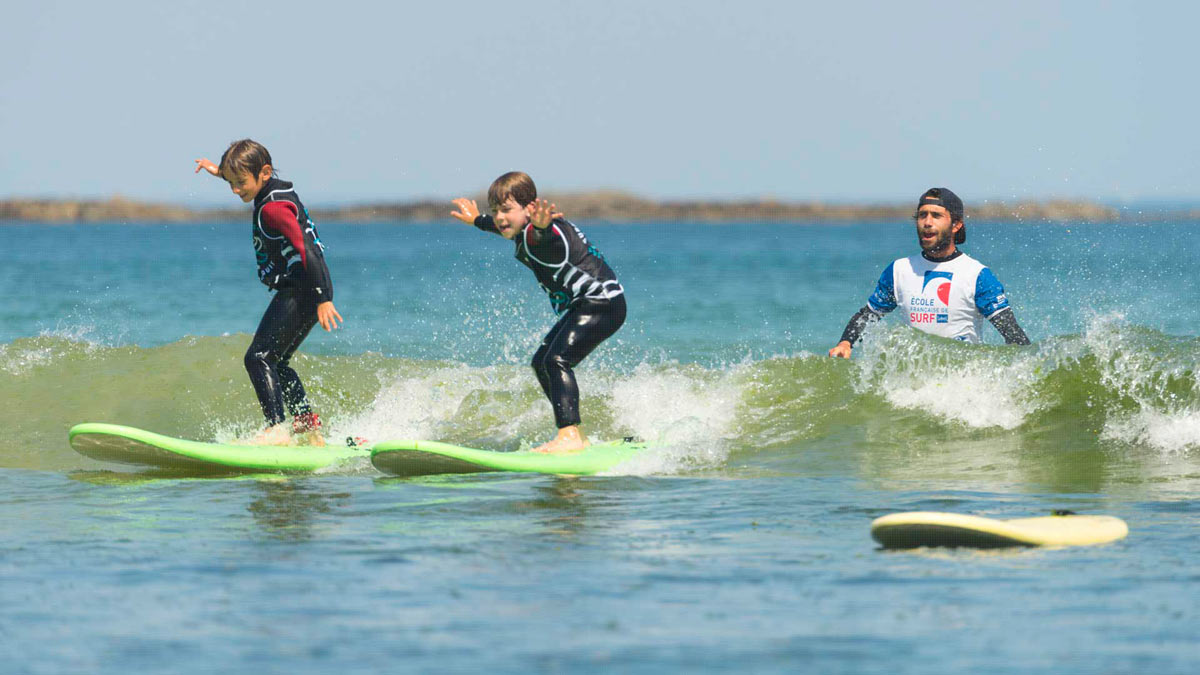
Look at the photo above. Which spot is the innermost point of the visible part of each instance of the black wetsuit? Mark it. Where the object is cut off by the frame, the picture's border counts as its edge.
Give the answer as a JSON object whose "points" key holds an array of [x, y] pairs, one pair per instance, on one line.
{"points": [[291, 261], [584, 290]]}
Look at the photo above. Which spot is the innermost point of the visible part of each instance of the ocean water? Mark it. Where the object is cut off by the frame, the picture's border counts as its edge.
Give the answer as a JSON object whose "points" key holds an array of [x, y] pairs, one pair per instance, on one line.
{"points": [[741, 545]]}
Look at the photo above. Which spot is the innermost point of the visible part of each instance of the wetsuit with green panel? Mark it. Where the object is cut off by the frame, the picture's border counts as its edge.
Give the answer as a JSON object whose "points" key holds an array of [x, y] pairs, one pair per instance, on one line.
{"points": [[583, 290]]}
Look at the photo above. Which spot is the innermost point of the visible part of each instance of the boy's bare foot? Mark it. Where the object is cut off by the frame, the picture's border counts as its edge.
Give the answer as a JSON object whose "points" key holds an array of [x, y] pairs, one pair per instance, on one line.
{"points": [[312, 438], [569, 440], [306, 427], [273, 435]]}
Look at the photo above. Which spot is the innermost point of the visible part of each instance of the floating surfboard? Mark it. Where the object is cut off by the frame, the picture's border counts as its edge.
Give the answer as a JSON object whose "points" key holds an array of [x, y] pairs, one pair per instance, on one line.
{"points": [[127, 445], [423, 458], [933, 528]]}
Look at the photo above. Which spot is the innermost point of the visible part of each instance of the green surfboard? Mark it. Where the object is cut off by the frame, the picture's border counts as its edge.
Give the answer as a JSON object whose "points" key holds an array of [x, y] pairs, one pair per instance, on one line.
{"points": [[127, 445], [423, 458], [933, 528]]}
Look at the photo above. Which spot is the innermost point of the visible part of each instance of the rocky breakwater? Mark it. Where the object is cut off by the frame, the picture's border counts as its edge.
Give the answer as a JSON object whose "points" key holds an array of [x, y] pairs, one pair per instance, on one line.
{"points": [[613, 207]]}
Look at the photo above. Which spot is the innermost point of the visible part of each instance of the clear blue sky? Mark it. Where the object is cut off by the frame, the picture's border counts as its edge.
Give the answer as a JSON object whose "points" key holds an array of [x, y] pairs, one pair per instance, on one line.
{"points": [[794, 100]]}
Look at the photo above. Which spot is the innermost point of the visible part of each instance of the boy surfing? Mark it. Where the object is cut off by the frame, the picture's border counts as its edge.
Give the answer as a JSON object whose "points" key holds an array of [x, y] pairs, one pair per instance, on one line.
{"points": [[583, 291], [291, 262]]}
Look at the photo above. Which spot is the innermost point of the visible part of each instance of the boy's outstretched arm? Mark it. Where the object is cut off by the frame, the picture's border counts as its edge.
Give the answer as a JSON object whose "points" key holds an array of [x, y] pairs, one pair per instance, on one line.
{"points": [[467, 211], [208, 166]]}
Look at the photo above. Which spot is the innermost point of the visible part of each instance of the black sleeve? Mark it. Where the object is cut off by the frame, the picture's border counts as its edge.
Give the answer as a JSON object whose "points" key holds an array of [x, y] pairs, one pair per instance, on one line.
{"points": [[485, 223], [858, 323], [318, 272], [313, 274], [1010, 330]]}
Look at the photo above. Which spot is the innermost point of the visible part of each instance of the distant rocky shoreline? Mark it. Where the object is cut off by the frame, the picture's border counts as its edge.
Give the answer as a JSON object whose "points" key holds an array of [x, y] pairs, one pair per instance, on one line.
{"points": [[611, 207]]}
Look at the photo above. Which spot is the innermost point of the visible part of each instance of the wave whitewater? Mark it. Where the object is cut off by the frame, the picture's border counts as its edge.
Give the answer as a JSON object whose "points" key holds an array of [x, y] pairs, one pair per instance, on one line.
{"points": [[1116, 386]]}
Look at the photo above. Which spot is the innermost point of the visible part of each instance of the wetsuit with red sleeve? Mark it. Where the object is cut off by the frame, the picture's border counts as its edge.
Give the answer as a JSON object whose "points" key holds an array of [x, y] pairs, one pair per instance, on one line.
{"points": [[291, 262]]}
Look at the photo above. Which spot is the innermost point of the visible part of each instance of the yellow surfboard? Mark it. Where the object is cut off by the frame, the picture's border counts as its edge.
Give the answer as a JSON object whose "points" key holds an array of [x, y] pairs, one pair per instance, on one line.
{"points": [[933, 528]]}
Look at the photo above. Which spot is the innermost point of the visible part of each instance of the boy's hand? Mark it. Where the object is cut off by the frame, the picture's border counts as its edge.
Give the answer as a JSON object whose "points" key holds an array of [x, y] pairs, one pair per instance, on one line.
{"points": [[468, 210], [207, 166], [328, 315], [542, 212]]}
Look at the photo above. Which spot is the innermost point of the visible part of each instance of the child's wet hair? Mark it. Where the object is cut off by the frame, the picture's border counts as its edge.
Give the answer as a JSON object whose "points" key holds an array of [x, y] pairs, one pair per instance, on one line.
{"points": [[515, 184], [245, 156]]}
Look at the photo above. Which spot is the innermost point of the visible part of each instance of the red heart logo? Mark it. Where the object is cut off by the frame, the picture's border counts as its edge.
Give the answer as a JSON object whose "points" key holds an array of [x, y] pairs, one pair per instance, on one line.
{"points": [[943, 293]]}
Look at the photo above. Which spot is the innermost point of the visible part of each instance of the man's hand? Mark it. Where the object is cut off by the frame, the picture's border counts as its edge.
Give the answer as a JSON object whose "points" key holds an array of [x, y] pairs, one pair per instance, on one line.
{"points": [[328, 315], [207, 166], [468, 210], [841, 350]]}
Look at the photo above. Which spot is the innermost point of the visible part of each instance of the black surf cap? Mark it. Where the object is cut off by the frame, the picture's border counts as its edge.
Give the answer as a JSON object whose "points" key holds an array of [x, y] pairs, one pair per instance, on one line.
{"points": [[946, 199]]}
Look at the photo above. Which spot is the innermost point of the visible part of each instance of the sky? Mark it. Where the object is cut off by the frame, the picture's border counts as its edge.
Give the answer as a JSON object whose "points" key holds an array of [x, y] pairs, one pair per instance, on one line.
{"points": [[394, 101]]}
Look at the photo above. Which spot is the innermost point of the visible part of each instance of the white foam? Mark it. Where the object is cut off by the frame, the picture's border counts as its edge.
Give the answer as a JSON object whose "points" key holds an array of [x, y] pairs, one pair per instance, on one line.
{"points": [[16, 361], [977, 399], [79, 332], [679, 404], [1139, 372], [954, 382], [423, 404], [665, 460], [687, 412], [29, 353], [1176, 432]]}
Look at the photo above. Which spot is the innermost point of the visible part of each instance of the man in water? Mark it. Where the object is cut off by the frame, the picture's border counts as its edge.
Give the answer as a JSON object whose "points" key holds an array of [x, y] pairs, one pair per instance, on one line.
{"points": [[943, 291]]}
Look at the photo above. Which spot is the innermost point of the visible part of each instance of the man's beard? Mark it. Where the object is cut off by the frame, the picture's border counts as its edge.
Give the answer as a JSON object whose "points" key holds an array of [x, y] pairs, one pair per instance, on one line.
{"points": [[938, 245]]}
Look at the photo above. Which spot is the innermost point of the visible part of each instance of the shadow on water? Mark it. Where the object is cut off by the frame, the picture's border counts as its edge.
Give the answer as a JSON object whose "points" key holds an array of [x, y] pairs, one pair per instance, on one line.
{"points": [[289, 510], [559, 506], [284, 508]]}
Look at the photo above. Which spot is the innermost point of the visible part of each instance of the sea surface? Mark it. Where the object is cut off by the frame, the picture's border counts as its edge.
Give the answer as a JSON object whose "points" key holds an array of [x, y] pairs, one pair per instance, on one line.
{"points": [[741, 545]]}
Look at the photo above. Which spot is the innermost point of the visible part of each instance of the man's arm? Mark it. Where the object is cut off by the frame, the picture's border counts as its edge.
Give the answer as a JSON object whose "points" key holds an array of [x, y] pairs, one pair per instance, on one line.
{"points": [[858, 323], [992, 302], [882, 301], [854, 330], [1010, 330]]}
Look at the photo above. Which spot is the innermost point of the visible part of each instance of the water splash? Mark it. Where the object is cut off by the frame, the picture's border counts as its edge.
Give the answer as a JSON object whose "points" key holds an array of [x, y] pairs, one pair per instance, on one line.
{"points": [[1116, 384], [978, 386]]}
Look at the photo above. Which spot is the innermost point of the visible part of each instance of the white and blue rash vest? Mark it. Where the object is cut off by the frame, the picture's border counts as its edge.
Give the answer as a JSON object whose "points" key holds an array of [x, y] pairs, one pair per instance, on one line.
{"points": [[949, 298], [567, 267]]}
